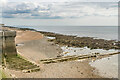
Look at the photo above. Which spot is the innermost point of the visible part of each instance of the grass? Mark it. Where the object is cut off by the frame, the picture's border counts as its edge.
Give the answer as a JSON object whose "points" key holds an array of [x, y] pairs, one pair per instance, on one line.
{"points": [[19, 63], [3, 75]]}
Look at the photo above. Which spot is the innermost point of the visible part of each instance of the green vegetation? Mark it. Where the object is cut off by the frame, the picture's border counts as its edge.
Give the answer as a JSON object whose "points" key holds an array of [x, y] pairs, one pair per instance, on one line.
{"points": [[18, 63], [3, 75]]}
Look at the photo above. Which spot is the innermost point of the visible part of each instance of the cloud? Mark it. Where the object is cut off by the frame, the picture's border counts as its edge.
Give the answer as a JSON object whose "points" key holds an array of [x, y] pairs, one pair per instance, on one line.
{"points": [[58, 10]]}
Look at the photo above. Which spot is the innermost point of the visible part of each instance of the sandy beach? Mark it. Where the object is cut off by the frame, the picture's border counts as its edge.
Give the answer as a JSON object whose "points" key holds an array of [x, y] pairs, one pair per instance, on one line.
{"points": [[34, 46]]}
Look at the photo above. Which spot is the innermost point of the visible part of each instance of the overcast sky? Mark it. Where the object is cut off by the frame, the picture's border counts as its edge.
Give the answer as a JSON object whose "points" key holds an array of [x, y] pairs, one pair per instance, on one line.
{"points": [[60, 12]]}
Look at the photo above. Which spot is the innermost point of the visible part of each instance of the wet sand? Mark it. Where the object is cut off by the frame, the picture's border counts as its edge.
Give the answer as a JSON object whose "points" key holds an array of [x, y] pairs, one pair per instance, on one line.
{"points": [[107, 67], [39, 49]]}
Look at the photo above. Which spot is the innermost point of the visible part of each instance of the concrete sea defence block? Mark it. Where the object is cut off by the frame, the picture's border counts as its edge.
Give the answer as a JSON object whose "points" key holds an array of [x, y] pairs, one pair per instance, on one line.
{"points": [[1, 33], [8, 43], [9, 33], [1, 42], [10, 48]]}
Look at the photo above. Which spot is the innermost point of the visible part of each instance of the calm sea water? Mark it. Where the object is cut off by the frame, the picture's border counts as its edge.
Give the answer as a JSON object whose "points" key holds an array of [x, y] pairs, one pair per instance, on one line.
{"points": [[104, 32]]}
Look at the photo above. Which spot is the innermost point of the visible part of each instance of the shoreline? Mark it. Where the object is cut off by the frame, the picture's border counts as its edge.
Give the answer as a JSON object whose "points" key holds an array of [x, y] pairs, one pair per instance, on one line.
{"points": [[78, 33], [74, 41], [90, 69]]}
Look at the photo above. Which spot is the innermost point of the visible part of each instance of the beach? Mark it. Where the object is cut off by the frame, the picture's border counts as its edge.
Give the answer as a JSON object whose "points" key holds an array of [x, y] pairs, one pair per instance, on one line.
{"points": [[35, 46], [59, 39]]}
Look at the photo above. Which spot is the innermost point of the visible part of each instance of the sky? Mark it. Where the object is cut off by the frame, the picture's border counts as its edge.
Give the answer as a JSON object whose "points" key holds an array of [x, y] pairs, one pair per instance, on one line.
{"points": [[59, 12]]}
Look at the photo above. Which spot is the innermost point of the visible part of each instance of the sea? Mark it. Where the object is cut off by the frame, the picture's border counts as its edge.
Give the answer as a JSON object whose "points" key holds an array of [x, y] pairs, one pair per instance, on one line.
{"points": [[102, 32]]}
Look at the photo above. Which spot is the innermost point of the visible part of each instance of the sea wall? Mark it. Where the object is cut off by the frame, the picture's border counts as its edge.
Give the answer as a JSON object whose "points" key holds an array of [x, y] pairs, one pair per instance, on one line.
{"points": [[1, 42], [8, 42], [0, 48]]}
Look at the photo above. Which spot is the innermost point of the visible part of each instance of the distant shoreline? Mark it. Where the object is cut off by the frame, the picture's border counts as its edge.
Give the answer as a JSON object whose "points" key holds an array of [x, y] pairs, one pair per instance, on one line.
{"points": [[74, 41], [97, 32]]}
